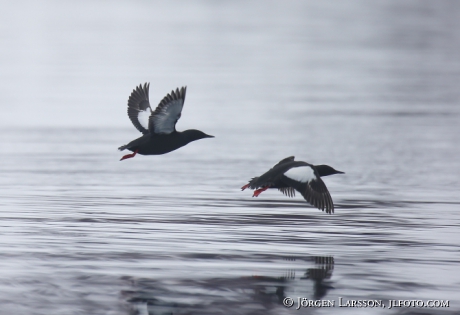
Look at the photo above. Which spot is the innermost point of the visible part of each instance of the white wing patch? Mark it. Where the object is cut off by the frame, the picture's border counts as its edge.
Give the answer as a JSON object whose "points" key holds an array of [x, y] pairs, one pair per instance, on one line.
{"points": [[143, 118], [301, 174], [165, 120]]}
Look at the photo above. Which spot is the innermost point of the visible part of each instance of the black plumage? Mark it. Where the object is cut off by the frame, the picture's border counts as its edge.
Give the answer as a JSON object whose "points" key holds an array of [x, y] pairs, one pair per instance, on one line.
{"points": [[289, 176], [158, 127]]}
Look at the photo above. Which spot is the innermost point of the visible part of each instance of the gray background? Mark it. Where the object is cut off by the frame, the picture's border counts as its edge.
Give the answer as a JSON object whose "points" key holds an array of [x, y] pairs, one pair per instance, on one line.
{"points": [[368, 87]]}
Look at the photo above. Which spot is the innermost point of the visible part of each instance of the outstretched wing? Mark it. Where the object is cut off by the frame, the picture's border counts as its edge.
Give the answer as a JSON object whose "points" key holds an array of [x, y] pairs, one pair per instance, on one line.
{"points": [[271, 178], [288, 191], [285, 160], [163, 120], [139, 107], [309, 184]]}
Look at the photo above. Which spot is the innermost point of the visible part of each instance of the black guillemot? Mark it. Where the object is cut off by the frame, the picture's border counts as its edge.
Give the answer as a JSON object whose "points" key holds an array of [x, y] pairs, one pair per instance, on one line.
{"points": [[159, 126], [289, 175]]}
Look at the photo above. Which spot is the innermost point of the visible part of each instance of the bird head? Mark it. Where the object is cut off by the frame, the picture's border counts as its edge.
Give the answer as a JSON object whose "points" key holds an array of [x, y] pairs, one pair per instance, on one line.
{"points": [[325, 170]]}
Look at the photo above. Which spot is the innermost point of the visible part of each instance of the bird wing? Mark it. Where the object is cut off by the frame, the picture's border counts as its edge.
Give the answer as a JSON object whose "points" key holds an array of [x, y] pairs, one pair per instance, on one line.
{"points": [[270, 177], [285, 160], [305, 180], [288, 191], [163, 120], [139, 108]]}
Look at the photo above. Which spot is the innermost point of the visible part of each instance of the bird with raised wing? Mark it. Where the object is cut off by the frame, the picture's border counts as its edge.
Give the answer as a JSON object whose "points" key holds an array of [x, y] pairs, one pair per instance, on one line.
{"points": [[159, 126], [289, 176]]}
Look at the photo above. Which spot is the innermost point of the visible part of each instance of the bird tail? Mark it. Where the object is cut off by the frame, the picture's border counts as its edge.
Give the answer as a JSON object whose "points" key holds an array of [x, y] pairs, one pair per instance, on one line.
{"points": [[253, 183], [248, 185], [123, 147]]}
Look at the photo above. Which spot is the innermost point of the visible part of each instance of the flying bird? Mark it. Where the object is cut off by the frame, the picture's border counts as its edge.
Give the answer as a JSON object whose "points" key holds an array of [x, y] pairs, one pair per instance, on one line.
{"points": [[159, 126], [289, 176]]}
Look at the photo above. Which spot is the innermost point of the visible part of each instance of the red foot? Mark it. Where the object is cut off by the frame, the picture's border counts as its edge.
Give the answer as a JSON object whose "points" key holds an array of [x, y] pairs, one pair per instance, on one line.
{"points": [[259, 191], [244, 187], [127, 156]]}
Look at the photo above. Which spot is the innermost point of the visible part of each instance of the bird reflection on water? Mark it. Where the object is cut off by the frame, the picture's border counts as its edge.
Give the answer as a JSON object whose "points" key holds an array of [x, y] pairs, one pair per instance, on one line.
{"points": [[322, 271], [255, 294]]}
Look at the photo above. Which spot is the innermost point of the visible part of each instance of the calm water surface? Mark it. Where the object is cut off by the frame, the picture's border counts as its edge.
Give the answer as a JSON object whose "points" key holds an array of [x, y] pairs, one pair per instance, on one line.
{"points": [[369, 88]]}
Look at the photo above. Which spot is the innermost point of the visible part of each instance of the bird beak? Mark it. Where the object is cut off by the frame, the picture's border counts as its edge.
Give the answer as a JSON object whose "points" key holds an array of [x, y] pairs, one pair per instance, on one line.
{"points": [[339, 172], [209, 136]]}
